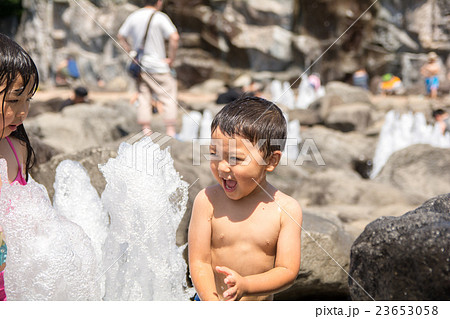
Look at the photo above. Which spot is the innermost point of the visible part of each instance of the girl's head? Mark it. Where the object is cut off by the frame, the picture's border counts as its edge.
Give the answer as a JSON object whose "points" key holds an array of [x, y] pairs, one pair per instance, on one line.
{"points": [[19, 81]]}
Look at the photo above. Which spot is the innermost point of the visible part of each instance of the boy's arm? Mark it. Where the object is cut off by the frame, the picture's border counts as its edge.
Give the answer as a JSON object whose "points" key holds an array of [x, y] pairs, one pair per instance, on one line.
{"points": [[287, 261], [199, 244]]}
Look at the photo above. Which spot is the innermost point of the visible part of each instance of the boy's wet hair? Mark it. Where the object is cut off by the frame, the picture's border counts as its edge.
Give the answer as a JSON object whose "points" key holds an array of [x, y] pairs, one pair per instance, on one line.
{"points": [[255, 119], [15, 62]]}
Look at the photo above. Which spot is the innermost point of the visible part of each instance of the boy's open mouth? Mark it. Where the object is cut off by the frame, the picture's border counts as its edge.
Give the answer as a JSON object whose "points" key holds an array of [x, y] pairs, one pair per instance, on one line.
{"points": [[229, 185]]}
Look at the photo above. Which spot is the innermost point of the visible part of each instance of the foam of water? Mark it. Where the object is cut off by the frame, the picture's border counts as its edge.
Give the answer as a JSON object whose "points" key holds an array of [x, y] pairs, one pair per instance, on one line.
{"points": [[146, 199], [205, 125], [49, 257], [288, 97], [77, 200], [293, 139], [190, 126], [276, 90], [401, 131], [306, 94]]}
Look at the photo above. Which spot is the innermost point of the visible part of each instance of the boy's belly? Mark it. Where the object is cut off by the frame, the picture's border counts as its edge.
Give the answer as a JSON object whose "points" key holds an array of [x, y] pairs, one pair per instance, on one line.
{"points": [[245, 260]]}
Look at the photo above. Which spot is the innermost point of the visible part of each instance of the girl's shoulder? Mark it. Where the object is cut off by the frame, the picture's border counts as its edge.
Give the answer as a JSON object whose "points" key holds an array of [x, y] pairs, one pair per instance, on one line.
{"points": [[20, 147]]}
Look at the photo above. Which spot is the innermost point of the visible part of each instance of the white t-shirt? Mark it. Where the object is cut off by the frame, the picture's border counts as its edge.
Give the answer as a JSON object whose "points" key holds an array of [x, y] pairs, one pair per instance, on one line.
{"points": [[161, 27]]}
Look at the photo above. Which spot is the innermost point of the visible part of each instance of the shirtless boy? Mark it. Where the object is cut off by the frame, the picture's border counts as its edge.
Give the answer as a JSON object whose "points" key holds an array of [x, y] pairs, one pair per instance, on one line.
{"points": [[430, 71], [244, 234]]}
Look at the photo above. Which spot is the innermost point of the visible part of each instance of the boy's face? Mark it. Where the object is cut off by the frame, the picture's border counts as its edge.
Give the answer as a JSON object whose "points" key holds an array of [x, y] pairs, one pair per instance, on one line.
{"points": [[238, 165]]}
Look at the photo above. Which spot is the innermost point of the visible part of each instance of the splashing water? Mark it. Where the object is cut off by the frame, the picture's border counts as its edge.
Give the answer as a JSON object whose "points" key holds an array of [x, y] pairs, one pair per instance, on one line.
{"points": [[146, 200], [77, 200], [293, 139], [190, 126], [52, 258], [307, 94], [401, 131], [49, 257], [205, 125]]}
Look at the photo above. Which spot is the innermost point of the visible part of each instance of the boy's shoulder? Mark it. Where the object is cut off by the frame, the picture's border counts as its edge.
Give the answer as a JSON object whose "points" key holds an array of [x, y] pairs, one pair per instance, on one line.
{"points": [[288, 205], [209, 195]]}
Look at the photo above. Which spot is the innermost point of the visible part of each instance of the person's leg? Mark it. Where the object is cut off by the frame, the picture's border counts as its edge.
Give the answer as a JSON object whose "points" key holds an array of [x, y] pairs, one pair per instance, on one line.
{"points": [[165, 87], [144, 110], [434, 87]]}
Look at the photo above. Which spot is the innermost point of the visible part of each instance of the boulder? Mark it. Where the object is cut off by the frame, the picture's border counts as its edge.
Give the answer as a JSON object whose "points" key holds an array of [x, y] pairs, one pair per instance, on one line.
{"points": [[404, 258], [195, 66], [308, 117], [337, 149], [42, 151], [418, 170], [349, 117], [340, 187], [429, 20], [273, 54], [266, 12], [325, 262], [82, 126], [338, 93]]}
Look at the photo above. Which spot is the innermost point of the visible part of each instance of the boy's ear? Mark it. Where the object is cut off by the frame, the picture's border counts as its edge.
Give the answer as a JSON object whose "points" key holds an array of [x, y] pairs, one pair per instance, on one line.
{"points": [[273, 160]]}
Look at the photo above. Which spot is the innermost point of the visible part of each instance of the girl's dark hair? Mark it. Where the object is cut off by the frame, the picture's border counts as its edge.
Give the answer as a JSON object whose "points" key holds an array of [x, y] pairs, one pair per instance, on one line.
{"points": [[14, 61], [256, 119]]}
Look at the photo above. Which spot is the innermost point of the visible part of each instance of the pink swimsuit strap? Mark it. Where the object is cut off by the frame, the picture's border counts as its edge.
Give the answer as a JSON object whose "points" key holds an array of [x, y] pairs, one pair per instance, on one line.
{"points": [[19, 177]]}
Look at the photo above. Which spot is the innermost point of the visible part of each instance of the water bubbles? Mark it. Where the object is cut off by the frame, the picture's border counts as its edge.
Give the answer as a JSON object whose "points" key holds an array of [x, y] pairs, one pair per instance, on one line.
{"points": [[120, 247]]}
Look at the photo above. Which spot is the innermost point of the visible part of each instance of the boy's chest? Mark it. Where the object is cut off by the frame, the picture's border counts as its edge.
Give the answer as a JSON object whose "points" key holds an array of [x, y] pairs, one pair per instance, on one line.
{"points": [[260, 229]]}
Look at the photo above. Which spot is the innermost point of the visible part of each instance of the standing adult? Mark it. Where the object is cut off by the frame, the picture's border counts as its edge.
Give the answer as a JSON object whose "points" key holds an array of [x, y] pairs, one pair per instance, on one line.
{"points": [[156, 77]]}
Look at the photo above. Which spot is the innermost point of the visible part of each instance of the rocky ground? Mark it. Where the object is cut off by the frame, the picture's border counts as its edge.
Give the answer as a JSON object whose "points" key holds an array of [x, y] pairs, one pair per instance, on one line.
{"points": [[338, 201]]}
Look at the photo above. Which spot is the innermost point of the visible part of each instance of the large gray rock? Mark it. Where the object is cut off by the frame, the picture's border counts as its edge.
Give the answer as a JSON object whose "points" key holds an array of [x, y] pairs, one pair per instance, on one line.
{"points": [[274, 53], [421, 171], [338, 93], [325, 261], [349, 117], [340, 187], [83, 126], [337, 149], [404, 258], [266, 12]]}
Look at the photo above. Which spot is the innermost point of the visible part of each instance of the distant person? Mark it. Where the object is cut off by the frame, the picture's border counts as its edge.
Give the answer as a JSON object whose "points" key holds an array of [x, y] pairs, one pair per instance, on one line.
{"points": [[430, 71], [443, 119], [244, 234], [80, 95], [67, 71], [156, 78], [314, 81], [234, 93], [230, 95], [361, 79], [391, 85]]}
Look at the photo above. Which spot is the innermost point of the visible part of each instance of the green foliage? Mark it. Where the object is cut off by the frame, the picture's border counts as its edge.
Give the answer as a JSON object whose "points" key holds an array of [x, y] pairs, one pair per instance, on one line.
{"points": [[10, 8]]}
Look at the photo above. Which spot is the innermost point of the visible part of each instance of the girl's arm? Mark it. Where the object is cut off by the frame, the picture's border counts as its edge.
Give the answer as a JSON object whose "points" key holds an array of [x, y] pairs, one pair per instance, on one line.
{"points": [[287, 261], [199, 244]]}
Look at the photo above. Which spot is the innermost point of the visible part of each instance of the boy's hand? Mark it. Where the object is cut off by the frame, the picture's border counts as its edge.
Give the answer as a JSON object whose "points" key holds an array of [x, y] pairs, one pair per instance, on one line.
{"points": [[235, 282]]}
